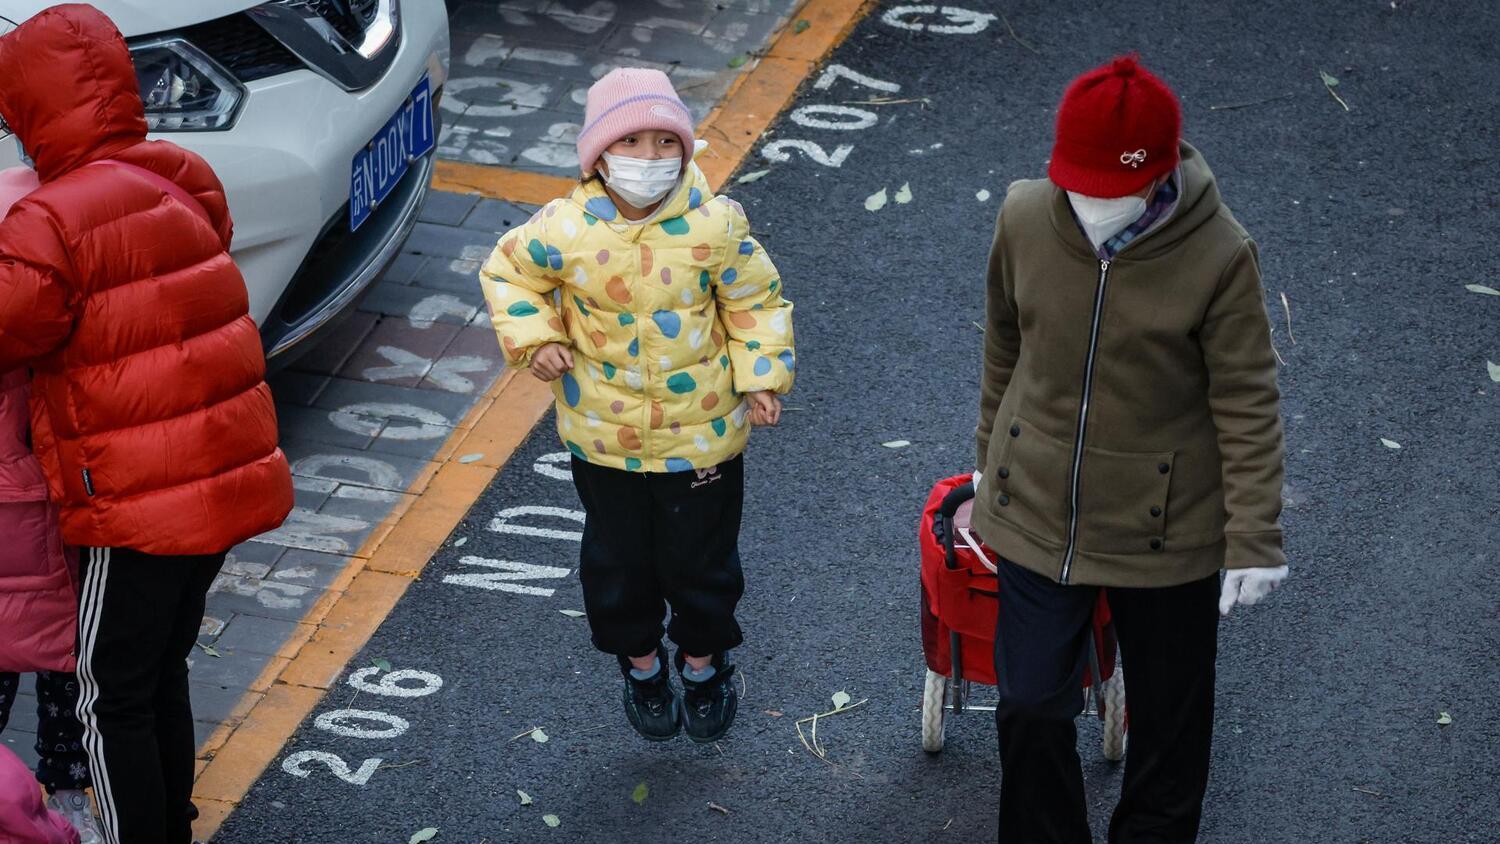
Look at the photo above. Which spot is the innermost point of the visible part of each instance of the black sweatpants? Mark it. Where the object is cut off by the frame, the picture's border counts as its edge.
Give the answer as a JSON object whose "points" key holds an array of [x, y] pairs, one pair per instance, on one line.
{"points": [[138, 620], [1168, 645], [62, 764], [653, 540]]}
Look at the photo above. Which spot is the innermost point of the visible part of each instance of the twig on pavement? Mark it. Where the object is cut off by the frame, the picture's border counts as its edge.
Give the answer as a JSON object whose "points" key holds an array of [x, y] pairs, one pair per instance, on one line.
{"points": [[885, 101], [812, 745], [1232, 106], [389, 767], [1019, 39]]}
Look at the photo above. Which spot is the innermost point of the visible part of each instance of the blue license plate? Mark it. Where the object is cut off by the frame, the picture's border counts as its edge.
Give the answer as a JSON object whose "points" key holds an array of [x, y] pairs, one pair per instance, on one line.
{"points": [[379, 166]]}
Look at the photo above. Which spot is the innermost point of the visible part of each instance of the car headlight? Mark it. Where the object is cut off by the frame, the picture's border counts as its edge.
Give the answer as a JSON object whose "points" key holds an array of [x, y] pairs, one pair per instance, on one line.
{"points": [[183, 89]]}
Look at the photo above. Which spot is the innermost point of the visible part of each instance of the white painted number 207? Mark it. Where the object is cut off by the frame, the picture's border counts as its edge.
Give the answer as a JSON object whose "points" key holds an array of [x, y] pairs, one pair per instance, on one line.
{"points": [[837, 118]]}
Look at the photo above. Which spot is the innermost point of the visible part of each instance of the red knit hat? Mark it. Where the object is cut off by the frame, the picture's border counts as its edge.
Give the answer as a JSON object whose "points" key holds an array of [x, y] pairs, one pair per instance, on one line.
{"points": [[1117, 131]]}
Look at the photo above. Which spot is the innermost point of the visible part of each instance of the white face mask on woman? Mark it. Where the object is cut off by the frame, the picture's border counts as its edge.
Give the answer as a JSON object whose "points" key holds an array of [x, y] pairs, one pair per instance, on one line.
{"points": [[642, 182], [1102, 218]]}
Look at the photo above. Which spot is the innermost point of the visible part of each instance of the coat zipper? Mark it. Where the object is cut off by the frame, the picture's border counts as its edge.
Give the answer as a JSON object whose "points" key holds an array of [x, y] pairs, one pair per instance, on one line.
{"points": [[1083, 422]]}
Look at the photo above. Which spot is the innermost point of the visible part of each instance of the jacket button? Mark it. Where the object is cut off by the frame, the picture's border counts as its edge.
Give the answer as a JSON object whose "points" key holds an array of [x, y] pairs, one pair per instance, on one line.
{"points": [[1156, 545], [1155, 511], [1004, 500], [1164, 468], [1015, 430], [1004, 472]]}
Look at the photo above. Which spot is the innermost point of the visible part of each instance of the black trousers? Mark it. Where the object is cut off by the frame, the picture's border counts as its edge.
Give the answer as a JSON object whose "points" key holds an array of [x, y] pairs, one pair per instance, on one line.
{"points": [[62, 763], [1168, 645], [138, 620], [653, 540]]}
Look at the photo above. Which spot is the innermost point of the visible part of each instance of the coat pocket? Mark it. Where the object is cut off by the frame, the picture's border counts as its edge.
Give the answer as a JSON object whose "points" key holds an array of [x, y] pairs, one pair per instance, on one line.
{"points": [[1031, 481], [29, 544], [1122, 501]]}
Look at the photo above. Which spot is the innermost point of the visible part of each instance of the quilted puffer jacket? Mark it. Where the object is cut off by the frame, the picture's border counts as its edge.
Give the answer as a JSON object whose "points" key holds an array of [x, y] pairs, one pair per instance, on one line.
{"points": [[671, 321], [38, 577], [150, 411]]}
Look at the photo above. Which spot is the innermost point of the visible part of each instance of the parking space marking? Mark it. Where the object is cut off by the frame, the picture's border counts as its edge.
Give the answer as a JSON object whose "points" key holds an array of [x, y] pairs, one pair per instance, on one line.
{"points": [[379, 572]]}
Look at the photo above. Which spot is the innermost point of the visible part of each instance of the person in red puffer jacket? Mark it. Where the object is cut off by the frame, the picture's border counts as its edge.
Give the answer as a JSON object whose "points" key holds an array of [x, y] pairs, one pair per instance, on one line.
{"points": [[150, 411]]}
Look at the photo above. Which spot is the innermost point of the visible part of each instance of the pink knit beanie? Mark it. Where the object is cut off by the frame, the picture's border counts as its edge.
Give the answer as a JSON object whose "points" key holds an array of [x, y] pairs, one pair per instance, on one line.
{"points": [[627, 100]]}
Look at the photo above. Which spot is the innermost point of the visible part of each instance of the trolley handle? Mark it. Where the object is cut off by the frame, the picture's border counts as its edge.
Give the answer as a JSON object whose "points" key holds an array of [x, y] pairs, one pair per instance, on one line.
{"points": [[955, 499]]}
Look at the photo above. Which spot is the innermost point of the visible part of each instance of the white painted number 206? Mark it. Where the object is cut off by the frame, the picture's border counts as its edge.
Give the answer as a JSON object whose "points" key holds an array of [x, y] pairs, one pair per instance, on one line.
{"points": [[391, 684]]}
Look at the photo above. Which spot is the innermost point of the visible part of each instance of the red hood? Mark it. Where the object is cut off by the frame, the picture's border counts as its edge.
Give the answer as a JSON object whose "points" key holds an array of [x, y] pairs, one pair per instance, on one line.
{"points": [[69, 89]]}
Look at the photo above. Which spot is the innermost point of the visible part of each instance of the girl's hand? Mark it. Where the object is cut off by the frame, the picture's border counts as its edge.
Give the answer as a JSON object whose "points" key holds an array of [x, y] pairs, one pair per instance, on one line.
{"points": [[551, 361], [765, 409]]}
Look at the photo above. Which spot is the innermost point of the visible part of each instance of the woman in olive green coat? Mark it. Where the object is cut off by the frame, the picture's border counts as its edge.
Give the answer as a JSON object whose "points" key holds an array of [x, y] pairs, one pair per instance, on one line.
{"points": [[1130, 438]]}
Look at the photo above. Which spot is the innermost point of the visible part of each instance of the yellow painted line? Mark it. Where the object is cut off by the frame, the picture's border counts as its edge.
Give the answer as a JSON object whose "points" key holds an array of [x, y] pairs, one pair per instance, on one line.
{"points": [[500, 182], [378, 574], [732, 129]]}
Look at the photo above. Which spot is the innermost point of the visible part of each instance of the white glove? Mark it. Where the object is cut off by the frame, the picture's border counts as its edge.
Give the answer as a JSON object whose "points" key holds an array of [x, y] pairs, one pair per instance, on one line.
{"points": [[977, 475], [1248, 586]]}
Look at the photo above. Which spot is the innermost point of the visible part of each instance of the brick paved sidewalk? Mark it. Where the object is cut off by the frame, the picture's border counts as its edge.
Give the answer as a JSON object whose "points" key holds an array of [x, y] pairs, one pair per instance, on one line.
{"points": [[362, 416], [521, 68]]}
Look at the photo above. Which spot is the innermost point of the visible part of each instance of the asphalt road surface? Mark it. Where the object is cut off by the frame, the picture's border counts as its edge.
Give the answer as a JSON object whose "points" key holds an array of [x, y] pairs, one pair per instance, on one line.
{"points": [[1371, 221]]}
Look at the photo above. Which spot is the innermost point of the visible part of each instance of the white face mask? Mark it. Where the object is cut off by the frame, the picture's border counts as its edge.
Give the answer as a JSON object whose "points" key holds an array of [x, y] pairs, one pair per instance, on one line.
{"points": [[639, 181], [1102, 218]]}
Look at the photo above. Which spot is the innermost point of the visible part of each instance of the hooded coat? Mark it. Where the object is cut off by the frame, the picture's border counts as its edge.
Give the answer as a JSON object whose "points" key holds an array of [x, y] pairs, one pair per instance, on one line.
{"points": [[24, 817], [150, 412], [1129, 427], [671, 320]]}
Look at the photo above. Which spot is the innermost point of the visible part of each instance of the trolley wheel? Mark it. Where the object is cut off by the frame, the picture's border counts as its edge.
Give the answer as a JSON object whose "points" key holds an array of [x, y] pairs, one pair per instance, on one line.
{"points": [[1112, 700], [934, 697]]}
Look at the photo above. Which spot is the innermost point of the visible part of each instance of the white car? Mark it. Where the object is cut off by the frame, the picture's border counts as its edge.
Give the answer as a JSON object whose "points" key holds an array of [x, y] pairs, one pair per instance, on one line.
{"points": [[320, 118]]}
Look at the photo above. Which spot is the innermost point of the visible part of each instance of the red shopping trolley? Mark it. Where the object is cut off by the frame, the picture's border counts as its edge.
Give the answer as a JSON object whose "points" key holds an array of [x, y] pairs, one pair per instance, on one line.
{"points": [[960, 595]]}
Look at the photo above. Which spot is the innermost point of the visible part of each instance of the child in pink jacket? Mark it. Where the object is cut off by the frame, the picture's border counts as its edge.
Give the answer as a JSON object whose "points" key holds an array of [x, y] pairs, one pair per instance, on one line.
{"points": [[23, 818], [38, 608]]}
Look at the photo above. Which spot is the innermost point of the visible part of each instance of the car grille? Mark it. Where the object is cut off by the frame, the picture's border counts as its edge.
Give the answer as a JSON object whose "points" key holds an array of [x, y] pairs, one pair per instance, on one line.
{"points": [[242, 47], [348, 18], [366, 9]]}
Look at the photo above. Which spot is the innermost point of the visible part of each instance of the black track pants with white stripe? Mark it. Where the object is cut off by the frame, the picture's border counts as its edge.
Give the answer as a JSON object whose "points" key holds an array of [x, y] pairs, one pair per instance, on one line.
{"points": [[137, 623]]}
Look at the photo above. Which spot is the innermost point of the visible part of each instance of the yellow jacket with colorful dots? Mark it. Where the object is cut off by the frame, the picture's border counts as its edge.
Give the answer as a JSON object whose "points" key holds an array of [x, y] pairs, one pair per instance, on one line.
{"points": [[670, 321]]}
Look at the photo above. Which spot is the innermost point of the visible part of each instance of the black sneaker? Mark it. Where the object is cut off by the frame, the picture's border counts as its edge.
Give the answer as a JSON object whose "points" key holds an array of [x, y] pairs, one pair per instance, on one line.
{"points": [[708, 707], [651, 705]]}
